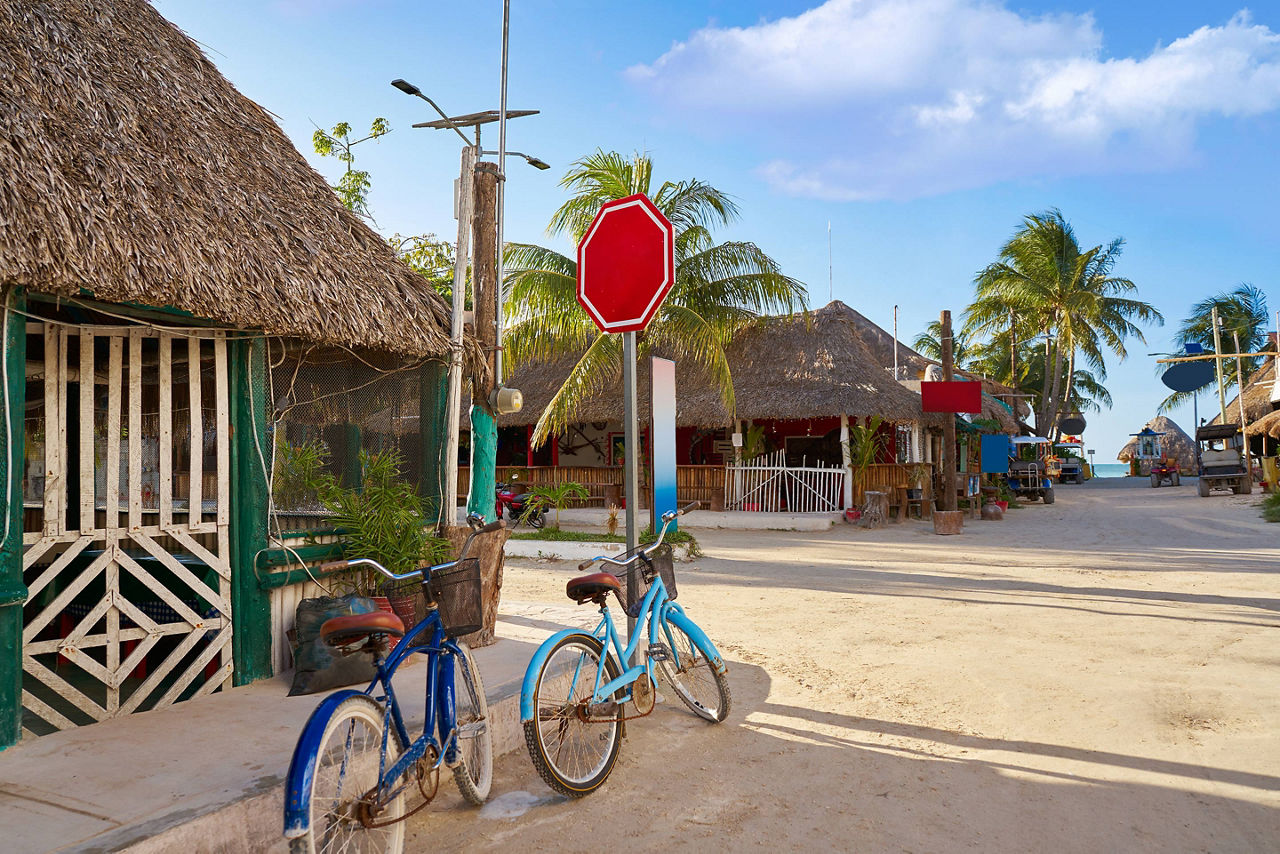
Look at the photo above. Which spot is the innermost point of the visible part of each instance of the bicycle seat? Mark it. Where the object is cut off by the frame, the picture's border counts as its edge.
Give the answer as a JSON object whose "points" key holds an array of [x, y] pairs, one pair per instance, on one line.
{"points": [[596, 585], [340, 631]]}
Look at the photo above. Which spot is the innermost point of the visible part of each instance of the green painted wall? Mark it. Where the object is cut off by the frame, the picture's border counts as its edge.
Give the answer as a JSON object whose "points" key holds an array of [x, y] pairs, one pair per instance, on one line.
{"points": [[484, 459], [250, 604], [12, 591], [433, 401]]}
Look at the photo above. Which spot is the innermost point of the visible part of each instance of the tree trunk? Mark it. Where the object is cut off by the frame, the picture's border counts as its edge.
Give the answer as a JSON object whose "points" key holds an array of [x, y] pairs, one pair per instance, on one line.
{"points": [[490, 549]]}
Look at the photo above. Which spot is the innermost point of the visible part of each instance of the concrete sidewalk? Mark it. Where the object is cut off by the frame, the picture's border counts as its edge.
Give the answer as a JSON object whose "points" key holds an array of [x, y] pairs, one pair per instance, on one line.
{"points": [[206, 775]]}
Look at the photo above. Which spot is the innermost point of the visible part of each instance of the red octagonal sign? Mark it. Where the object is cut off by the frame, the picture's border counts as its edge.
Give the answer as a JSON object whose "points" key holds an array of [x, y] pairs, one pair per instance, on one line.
{"points": [[626, 264]]}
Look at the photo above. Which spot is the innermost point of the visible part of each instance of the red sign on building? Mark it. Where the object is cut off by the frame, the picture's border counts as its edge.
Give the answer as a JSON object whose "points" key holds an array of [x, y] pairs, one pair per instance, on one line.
{"points": [[955, 396]]}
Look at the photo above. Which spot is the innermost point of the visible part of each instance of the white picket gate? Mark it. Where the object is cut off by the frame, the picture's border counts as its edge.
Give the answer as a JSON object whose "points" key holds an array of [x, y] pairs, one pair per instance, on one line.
{"points": [[129, 578], [767, 484]]}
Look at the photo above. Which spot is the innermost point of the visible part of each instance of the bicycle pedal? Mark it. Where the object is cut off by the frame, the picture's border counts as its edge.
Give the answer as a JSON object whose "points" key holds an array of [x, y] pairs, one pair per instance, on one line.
{"points": [[659, 652]]}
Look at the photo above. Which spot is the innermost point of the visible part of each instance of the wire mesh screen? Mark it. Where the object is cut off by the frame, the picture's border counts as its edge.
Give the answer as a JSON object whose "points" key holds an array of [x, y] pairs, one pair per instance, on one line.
{"points": [[336, 404]]}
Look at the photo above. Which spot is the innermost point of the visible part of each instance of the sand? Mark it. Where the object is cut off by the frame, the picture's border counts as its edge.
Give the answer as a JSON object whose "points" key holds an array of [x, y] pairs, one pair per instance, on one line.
{"points": [[1096, 675]]}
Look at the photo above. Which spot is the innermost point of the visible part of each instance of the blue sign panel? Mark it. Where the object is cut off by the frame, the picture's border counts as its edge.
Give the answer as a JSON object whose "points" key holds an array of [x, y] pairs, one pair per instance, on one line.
{"points": [[995, 454], [662, 438]]}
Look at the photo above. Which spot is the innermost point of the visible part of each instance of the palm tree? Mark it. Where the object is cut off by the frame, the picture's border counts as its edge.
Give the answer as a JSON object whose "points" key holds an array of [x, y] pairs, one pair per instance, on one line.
{"points": [[1045, 285], [719, 287], [929, 344], [1242, 311]]}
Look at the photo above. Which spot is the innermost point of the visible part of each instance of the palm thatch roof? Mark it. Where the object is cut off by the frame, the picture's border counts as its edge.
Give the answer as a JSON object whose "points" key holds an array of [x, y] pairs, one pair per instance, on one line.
{"points": [[134, 171], [1267, 425], [783, 368], [1257, 397], [1175, 443]]}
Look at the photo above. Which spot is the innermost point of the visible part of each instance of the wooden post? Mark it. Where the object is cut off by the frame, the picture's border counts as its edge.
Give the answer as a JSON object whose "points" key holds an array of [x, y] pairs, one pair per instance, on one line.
{"points": [[484, 429], [12, 591], [1217, 362], [847, 459], [250, 603], [949, 424]]}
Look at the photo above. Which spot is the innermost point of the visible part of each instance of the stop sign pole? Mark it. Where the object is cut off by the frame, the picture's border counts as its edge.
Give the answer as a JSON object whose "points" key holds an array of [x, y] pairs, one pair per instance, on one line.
{"points": [[626, 266]]}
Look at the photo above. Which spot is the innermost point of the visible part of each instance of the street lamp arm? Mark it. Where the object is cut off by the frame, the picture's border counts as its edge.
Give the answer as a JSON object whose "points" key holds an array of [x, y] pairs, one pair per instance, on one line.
{"points": [[535, 162], [409, 89]]}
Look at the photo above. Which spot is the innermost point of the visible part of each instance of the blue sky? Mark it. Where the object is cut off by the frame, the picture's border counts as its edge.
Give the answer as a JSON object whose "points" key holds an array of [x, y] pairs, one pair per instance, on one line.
{"points": [[922, 130]]}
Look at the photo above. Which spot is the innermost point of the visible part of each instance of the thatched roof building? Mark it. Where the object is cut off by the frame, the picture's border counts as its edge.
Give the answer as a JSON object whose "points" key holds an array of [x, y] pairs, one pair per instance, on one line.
{"points": [[135, 172], [1175, 443], [783, 368], [1257, 397]]}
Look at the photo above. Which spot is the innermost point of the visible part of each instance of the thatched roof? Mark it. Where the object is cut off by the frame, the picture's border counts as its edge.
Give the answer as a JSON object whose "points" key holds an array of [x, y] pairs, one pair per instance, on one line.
{"points": [[783, 368], [1268, 424], [1175, 443], [1257, 397], [131, 168]]}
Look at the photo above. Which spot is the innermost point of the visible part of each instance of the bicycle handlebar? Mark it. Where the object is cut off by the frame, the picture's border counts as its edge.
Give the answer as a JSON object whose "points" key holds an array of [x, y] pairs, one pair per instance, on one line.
{"points": [[667, 519], [473, 520]]}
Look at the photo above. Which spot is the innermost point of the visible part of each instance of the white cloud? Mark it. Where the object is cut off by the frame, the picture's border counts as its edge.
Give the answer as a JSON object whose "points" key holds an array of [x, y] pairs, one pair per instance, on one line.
{"points": [[863, 99]]}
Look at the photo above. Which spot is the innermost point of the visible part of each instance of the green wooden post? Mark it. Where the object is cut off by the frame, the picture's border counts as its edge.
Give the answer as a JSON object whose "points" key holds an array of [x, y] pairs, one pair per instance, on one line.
{"points": [[12, 591], [250, 444], [484, 461], [433, 399]]}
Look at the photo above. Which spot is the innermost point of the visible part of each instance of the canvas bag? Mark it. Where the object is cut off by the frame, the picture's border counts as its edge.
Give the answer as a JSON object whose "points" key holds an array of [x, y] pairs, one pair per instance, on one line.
{"points": [[318, 666]]}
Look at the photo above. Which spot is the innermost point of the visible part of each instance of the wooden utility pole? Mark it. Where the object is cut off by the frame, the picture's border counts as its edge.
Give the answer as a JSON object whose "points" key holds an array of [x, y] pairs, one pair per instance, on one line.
{"points": [[1217, 349], [484, 429], [949, 426]]}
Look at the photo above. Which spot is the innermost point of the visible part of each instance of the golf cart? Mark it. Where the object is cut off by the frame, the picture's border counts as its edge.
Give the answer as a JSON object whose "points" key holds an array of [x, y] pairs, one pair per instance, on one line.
{"points": [[1070, 462], [1028, 468], [1219, 458]]}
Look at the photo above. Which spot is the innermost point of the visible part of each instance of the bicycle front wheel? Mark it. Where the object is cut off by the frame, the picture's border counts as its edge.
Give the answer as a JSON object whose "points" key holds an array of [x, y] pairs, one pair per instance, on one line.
{"points": [[574, 747], [474, 771], [692, 677], [345, 811]]}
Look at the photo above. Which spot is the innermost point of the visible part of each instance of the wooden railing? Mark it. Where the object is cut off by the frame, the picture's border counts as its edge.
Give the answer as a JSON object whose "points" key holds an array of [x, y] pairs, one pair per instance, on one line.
{"points": [[882, 477]]}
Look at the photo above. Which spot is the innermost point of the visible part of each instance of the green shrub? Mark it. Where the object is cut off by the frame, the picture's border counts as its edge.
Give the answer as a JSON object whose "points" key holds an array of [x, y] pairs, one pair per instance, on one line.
{"points": [[1271, 507]]}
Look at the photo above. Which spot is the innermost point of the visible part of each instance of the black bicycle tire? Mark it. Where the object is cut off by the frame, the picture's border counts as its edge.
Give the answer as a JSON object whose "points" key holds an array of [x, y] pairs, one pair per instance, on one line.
{"points": [[532, 735]]}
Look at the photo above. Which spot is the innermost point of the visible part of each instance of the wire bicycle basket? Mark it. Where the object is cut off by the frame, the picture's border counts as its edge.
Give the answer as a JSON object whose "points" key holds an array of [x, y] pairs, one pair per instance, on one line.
{"points": [[658, 563], [456, 593]]}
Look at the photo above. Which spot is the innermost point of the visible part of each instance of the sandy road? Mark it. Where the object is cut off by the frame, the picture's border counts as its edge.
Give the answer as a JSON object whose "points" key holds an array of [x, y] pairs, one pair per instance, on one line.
{"points": [[1099, 675]]}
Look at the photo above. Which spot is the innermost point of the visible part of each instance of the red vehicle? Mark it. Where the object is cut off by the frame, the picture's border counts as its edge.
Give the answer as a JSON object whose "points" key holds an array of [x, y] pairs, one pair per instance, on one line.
{"points": [[1165, 470], [510, 499]]}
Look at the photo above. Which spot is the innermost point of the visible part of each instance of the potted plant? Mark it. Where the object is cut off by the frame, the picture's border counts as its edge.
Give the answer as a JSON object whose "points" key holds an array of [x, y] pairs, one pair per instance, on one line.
{"points": [[917, 474], [383, 519], [865, 444]]}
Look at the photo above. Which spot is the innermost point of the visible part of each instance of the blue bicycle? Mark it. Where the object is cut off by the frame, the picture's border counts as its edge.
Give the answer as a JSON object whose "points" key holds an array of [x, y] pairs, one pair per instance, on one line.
{"points": [[355, 763], [573, 701]]}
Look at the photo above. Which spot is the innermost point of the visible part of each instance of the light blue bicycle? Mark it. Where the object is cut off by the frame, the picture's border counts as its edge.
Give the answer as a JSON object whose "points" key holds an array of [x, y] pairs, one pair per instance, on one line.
{"points": [[574, 698]]}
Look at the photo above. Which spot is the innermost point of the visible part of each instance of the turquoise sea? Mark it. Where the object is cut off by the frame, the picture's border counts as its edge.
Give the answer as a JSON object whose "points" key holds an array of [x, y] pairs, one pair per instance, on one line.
{"points": [[1111, 470]]}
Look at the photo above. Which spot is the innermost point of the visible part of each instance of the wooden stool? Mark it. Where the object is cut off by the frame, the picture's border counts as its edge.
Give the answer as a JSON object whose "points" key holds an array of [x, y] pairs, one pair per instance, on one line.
{"points": [[875, 509], [898, 503]]}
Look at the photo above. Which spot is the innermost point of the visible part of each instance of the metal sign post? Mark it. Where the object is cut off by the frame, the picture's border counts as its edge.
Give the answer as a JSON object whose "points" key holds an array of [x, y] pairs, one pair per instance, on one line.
{"points": [[631, 464]]}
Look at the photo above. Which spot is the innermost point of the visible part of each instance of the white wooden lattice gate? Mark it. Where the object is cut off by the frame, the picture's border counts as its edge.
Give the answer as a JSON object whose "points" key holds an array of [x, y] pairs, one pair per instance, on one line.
{"points": [[770, 485], [129, 577]]}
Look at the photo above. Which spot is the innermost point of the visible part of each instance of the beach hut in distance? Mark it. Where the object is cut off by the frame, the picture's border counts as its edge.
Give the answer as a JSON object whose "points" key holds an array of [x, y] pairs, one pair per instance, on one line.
{"points": [[174, 277], [1160, 436]]}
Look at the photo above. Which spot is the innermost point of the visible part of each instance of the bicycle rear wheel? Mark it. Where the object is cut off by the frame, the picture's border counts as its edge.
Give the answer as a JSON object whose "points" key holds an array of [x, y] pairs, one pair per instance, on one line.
{"points": [[474, 771], [345, 781], [692, 677], [572, 754]]}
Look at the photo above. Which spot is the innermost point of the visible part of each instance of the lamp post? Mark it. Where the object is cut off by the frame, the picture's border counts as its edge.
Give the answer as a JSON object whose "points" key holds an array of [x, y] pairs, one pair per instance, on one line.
{"points": [[471, 153]]}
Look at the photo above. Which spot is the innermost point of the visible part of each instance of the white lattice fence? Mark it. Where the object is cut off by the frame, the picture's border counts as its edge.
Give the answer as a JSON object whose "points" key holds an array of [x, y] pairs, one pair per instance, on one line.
{"points": [[129, 577], [769, 485]]}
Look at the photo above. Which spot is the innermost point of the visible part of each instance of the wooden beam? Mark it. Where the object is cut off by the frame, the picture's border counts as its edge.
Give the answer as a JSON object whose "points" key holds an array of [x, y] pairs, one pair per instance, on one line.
{"points": [[12, 591], [250, 604]]}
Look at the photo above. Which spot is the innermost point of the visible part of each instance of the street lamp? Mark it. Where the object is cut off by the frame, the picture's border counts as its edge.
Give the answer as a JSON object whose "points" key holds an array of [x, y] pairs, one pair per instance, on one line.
{"points": [[471, 152]]}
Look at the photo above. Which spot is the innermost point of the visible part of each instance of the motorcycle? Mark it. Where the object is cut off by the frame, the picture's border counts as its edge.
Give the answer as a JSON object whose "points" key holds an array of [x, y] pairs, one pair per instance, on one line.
{"points": [[518, 505]]}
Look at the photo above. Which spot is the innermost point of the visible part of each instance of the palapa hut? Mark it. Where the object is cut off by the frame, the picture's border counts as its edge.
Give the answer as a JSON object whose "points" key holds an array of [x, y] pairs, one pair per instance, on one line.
{"points": [[799, 382], [173, 272], [1260, 398], [1175, 444]]}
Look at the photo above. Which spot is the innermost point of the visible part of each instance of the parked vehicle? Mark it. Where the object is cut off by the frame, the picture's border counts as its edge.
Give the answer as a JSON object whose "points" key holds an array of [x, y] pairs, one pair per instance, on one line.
{"points": [[1070, 462], [1220, 461], [511, 500], [1165, 470], [357, 764], [580, 687], [1028, 475]]}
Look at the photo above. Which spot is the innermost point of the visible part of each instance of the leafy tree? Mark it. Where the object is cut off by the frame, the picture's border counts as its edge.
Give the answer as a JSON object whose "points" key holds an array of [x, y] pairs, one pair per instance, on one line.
{"points": [[1044, 284], [430, 257], [719, 287], [353, 187], [1242, 310]]}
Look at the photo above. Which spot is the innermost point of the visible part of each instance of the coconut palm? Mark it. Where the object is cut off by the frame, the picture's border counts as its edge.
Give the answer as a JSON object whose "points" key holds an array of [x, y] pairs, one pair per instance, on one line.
{"points": [[719, 287], [929, 344], [1242, 311], [1053, 288]]}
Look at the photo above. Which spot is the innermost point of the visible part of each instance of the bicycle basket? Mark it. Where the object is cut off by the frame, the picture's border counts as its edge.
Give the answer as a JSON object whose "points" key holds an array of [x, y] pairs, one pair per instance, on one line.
{"points": [[659, 563], [457, 595]]}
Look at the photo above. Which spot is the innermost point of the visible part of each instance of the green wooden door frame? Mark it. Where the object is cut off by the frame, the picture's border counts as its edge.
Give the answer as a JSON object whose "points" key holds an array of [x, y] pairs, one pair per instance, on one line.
{"points": [[250, 446], [12, 591]]}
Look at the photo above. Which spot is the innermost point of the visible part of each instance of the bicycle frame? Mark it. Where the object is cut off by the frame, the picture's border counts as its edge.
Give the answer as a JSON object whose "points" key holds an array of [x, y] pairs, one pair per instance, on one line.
{"points": [[440, 719]]}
